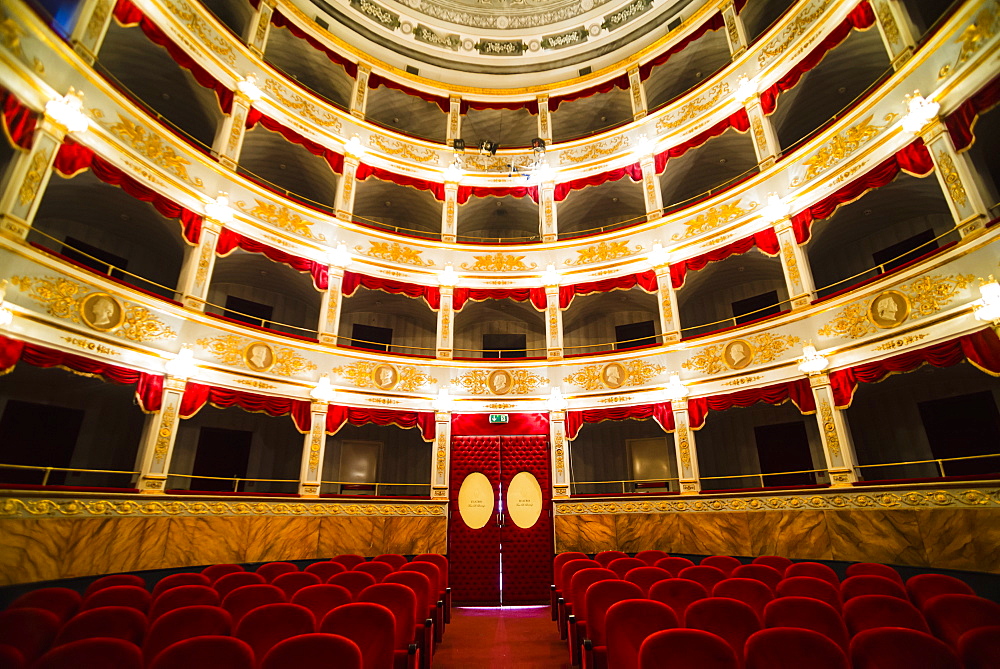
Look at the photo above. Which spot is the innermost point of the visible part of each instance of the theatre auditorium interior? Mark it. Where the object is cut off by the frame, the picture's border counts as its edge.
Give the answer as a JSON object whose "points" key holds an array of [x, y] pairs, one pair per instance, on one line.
{"points": [[400, 334]]}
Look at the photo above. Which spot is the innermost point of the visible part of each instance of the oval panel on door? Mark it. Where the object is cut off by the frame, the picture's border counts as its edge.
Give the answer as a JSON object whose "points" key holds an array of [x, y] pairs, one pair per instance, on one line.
{"points": [[475, 500], [524, 500]]}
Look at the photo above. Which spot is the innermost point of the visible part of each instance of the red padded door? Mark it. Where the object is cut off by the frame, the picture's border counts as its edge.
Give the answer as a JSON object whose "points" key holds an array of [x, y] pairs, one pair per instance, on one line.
{"points": [[527, 553], [473, 555]]}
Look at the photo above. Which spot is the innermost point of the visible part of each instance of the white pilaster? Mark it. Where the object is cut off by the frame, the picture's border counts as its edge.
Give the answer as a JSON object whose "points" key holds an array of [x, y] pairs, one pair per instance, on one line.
{"points": [[686, 452], [229, 136], [835, 433], [553, 324], [313, 450], [670, 321], [765, 139], [199, 262], [548, 225], [91, 27], [560, 459], [29, 176], [897, 30], [446, 325], [449, 213], [651, 188], [957, 177], [344, 203], [260, 27], [736, 33], [359, 94], [637, 93], [544, 118], [442, 455], [329, 310], [454, 119], [158, 436], [795, 266]]}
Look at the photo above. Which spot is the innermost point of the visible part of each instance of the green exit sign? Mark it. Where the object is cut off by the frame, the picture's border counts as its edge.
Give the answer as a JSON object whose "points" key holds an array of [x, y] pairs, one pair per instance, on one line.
{"points": [[498, 418]]}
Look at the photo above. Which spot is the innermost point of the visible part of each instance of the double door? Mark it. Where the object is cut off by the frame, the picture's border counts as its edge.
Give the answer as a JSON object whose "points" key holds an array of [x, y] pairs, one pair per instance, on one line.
{"points": [[500, 527]]}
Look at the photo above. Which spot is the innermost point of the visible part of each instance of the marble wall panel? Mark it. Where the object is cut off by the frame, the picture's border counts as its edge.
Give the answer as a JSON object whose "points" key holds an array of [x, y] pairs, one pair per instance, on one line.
{"points": [[985, 527], [272, 538], [948, 538], [407, 535], [362, 535], [795, 534], [712, 533], [587, 534], [646, 531], [876, 535], [205, 540]]}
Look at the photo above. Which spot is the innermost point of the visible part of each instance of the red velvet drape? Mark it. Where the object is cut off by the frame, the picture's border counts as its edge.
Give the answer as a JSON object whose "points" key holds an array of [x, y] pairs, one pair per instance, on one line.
{"points": [[196, 395], [364, 171], [738, 120], [765, 240], [633, 172], [861, 18], [621, 81], [229, 240], [913, 159], [334, 159], [797, 391], [962, 121], [128, 14], [714, 23], [149, 387], [981, 348], [73, 158], [465, 192], [530, 105], [661, 412], [337, 415], [281, 21], [19, 121], [431, 294], [645, 280], [534, 295], [375, 80], [478, 424]]}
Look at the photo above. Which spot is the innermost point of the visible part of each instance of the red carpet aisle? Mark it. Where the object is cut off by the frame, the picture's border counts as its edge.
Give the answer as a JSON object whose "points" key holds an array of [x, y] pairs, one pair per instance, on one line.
{"points": [[525, 638]]}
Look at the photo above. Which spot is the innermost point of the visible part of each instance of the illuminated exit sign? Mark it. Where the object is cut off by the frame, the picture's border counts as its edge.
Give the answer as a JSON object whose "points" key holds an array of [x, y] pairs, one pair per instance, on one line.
{"points": [[498, 418]]}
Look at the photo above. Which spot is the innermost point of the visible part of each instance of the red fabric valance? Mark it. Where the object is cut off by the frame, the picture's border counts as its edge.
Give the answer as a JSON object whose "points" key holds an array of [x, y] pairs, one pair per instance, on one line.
{"points": [[73, 158], [334, 159], [534, 295], [913, 159], [645, 280], [530, 105], [196, 395], [431, 294], [18, 120], [861, 18], [229, 241], [714, 23], [376, 80], [477, 424], [738, 120], [364, 171], [981, 348], [280, 20], [621, 81], [337, 415], [633, 171], [797, 391], [765, 240], [661, 412], [465, 192], [128, 14], [961, 121], [149, 387]]}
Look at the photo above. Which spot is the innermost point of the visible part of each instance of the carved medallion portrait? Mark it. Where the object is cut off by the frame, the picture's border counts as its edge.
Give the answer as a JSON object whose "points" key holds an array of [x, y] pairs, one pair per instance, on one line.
{"points": [[385, 377], [499, 382], [737, 354], [258, 356], [101, 312], [613, 375], [889, 309]]}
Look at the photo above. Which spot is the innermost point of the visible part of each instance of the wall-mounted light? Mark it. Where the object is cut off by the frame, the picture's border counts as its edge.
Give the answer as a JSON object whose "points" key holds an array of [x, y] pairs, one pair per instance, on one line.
{"points": [[219, 209], [556, 401], [67, 111], [248, 87], [987, 308], [675, 391], [775, 209], [919, 112], [658, 256], [323, 391], [812, 362], [644, 146], [6, 315], [354, 146], [745, 89], [542, 172], [182, 365], [453, 171], [339, 256], [443, 402], [447, 276], [551, 276]]}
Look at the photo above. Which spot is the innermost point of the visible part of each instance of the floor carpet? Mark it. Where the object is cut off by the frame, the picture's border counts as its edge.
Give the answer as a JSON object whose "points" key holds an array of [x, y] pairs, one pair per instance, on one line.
{"points": [[498, 638]]}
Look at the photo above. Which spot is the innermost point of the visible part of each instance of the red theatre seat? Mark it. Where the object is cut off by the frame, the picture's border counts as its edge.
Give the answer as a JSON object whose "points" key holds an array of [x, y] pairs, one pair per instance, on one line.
{"points": [[205, 652], [177, 580], [597, 600], [272, 570], [377, 569], [30, 631], [604, 558], [807, 586], [229, 582], [628, 623], [774, 561], [216, 571], [325, 569], [622, 566], [645, 577], [747, 590], [402, 602], [678, 594], [577, 618], [441, 562], [185, 623], [730, 619], [686, 649], [265, 626], [100, 653], [118, 622], [112, 580], [63, 603], [793, 648], [651, 556], [11, 658], [866, 612], [349, 561], [868, 584], [354, 581], [322, 598], [707, 576], [924, 587], [118, 595], [874, 569], [242, 601], [184, 595], [900, 648], [337, 652], [814, 569], [294, 581], [564, 601], [951, 616], [759, 572], [425, 609], [726, 563], [980, 648], [807, 613], [674, 564], [372, 627], [392, 559]]}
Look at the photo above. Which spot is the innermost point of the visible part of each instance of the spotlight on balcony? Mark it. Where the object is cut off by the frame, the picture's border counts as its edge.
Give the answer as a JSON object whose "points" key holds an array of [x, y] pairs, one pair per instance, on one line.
{"points": [[488, 148], [458, 145], [538, 145]]}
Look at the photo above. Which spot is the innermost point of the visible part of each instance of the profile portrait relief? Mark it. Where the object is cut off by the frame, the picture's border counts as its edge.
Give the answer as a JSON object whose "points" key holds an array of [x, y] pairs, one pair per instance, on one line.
{"points": [[101, 312], [258, 356], [499, 382], [613, 375], [889, 309], [737, 354], [385, 377]]}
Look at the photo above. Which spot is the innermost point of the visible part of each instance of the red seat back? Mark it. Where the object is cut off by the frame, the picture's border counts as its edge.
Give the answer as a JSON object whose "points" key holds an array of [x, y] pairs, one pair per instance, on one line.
{"points": [[377, 569], [951, 616], [645, 577], [11, 658], [622, 566], [674, 564], [99, 653], [267, 625], [205, 652], [177, 580], [354, 581], [651, 556], [118, 595], [604, 558], [568, 569], [599, 598], [870, 611], [119, 622], [216, 571], [807, 613], [759, 572], [183, 595], [686, 649], [30, 631], [678, 594], [322, 598], [559, 560], [868, 584], [422, 588], [731, 619], [628, 623], [241, 601], [980, 648], [293, 581], [778, 562], [349, 561], [113, 580], [371, 626], [337, 652], [399, 599], [61, 602], [578, 585], [431, 571], [925, 587], [185, 623], [272, 570], [807, 586], [793, 648], [747, 590], [725, 563], [392, 559], [814, 569], [900, 648], [874, 569], [436, 559], [229, 582], [325, 569], [707, 576]]}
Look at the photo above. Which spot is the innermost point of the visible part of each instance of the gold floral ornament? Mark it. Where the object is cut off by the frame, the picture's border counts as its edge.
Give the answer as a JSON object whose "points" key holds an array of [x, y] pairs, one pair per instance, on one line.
{"points": [[737, 354], [394, 252], [281, 217], [10, 38], [615, 375], [396, 148], [500, 382], [499, 262], [975, 36], [302, 107], [595, 150], [151, 145], [842, 145], [365, 374], [216, 44], [233, 350], [713, 218], [605, 251], [697, 106], [100, 311]]}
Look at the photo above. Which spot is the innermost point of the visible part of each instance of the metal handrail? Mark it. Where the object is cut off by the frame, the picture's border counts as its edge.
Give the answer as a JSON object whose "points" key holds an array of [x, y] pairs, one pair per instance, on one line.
{"points": [[376, 484], [49, 470], [235, 479], [615, 343], [939, 461], [624, 482], [354, 342], [255, 319], [733, 318]]}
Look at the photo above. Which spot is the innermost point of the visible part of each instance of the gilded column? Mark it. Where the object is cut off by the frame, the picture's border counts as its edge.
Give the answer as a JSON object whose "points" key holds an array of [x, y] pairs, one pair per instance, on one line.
{"points": [[329, 310], [670, 322], [260, 27], [651, 188], [29, 176], [449, 213], [91, 25], [765, 139], [344, 204], [637, 93], [442, 455], [560, 459], [158, 436], [547, 212], [359, 94], [795, 266], [685, 451], [446, 325], [311, 471], [835, 433], [199, 261], [544, 118], [736, 33], [454, 119], [958, 179], [229, 136], [553, 324], [897, 30]]}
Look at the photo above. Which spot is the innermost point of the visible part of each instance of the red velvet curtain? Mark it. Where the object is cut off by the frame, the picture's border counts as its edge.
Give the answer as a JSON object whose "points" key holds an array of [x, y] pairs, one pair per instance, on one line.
{"points": [[962, 121], [149, 387], [338, 415], [334, 159], [73, 158], [196, 395], [714, 23], [375, 80], [861, 18], [798, 391], [981, 348], [364, 171], [765, 240], [431, 294], [535, 295], [645, 280], [278, 19], [465, 192], [661, 412], [229, 240], [738, 120], [128, 14], [478, 424], [913, 159], [633, 171], [621, 81], [18, 120], [530, 105]]}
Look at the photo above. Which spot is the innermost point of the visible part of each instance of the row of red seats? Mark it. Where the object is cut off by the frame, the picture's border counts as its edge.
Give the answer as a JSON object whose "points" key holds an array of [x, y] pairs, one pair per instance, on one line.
{"points": [[120, 606]]}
